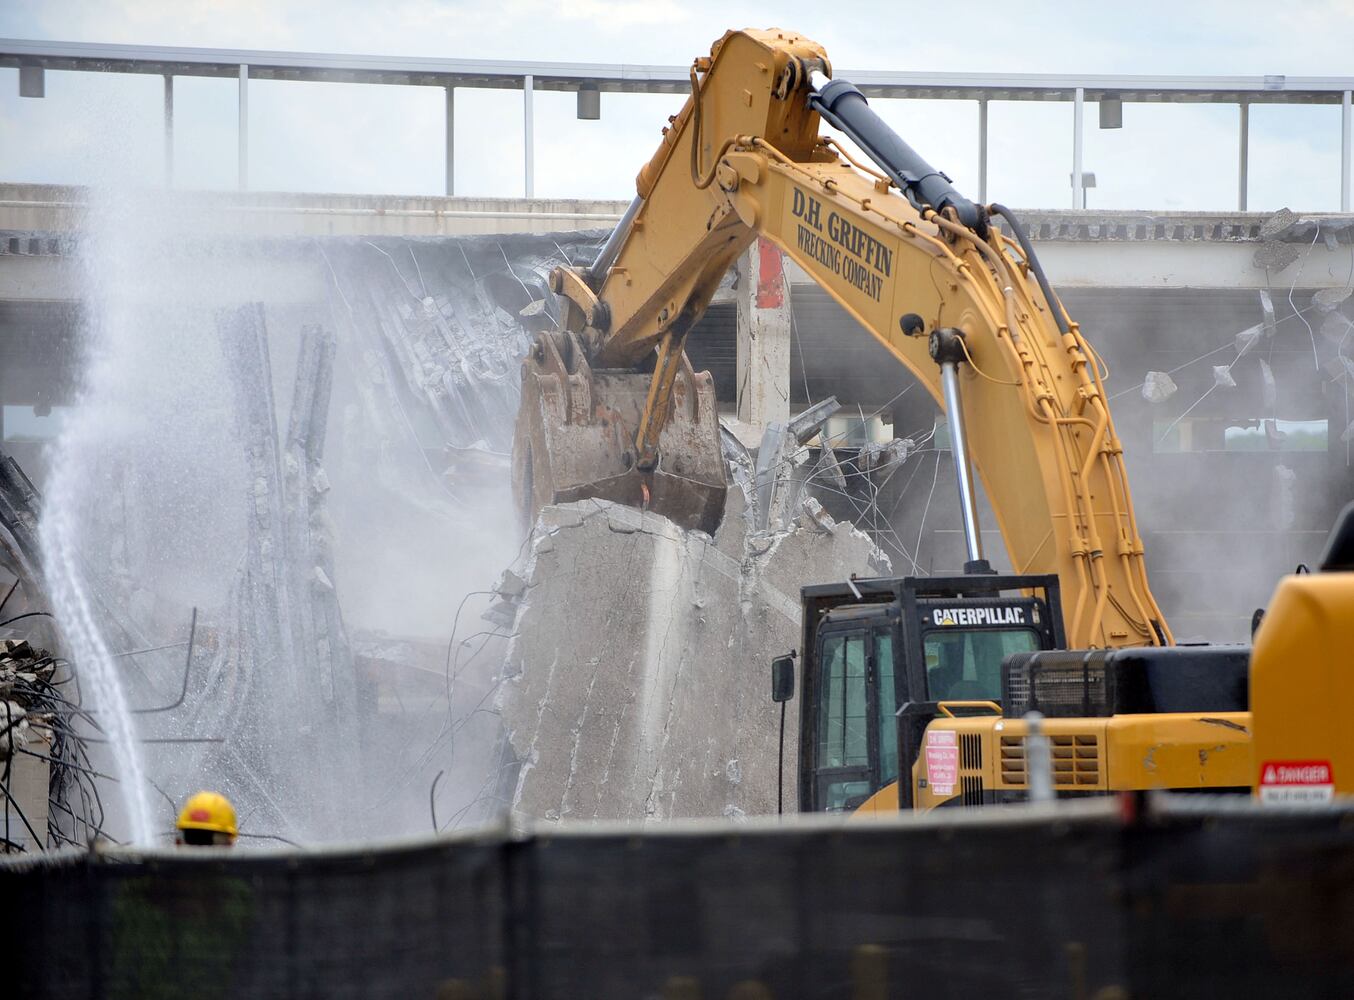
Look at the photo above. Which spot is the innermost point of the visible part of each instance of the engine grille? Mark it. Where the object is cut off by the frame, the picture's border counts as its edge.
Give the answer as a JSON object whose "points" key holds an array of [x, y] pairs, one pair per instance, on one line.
{"points": [[1076, 760], [1057, 689], [972, 786], [970, 751]]}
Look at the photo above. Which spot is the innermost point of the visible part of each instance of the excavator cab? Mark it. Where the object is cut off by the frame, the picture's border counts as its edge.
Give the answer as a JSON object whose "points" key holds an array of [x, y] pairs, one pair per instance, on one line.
{"points": [[919, 646]]}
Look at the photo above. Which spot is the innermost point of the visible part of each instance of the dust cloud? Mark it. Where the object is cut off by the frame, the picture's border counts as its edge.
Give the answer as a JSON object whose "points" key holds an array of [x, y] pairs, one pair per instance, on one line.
{"points": [[306, 445]]}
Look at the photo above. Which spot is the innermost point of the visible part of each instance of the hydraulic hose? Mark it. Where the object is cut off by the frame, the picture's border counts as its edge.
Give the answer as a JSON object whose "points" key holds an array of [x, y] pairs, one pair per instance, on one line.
{"points": [[1054, 303], [844, 107], [612, 248]]}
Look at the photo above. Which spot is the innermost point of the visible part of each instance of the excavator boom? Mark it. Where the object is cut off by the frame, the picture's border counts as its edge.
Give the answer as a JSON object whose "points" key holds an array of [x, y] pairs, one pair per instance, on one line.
{"points": [[612, 408]]}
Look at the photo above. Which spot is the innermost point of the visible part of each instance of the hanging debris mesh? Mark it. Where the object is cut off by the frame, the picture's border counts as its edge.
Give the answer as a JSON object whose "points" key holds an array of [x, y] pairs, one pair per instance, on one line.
{"points": [[1246, 339], [1267, 310], [449, 320], [1340, 367], [1270, 387], [1158, 387], [879, 454], [1329, 299], [1335, 327], [1222, 377]]}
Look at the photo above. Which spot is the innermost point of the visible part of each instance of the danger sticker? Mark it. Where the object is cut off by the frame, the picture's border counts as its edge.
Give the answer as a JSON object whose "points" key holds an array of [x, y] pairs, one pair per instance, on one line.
{"points": [[942, 761], [1296, 782]]}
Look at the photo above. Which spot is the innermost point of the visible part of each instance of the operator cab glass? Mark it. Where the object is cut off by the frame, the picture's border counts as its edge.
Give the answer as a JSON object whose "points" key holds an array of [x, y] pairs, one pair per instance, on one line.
{"points": [[882, 658], [965, 664], [856, 737], [964, 643]]}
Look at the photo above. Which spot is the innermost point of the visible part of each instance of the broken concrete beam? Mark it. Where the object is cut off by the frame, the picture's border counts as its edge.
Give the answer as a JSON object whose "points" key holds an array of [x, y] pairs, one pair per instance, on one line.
{"points": [[19, 502], [764, 328], [244, 341], [287, 666], [638, 679], [779, 486]]}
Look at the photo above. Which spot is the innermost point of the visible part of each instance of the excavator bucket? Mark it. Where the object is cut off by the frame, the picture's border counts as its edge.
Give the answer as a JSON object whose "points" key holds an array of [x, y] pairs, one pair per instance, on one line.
{"points": [[575, 438]]}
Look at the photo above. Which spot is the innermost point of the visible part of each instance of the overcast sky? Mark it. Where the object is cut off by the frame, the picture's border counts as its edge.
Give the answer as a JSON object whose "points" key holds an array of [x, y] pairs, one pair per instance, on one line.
{"points": [[334, 137]]}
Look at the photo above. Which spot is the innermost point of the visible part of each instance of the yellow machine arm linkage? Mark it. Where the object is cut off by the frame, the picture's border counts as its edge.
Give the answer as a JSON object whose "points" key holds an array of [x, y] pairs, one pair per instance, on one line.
{"points": [[922, 270]]}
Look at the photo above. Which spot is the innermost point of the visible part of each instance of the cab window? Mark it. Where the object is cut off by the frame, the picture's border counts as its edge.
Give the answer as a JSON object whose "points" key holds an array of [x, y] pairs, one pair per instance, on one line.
{"points": [[857, 732], [965, 664], [843, 739], [888, 708]]}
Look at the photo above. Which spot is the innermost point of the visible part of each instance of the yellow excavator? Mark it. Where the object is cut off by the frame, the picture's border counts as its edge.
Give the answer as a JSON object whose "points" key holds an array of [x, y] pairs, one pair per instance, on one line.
{"points": [[933, 680]]}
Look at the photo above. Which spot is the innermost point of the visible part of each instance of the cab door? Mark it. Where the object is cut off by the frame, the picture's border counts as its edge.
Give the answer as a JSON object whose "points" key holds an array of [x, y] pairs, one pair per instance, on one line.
{"points": [[855, 739]]}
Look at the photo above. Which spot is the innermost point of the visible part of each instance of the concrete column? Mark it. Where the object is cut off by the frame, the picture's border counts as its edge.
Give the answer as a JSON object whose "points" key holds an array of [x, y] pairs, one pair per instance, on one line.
{"points": [[529, 134], [1345, 150], [1243, 157], [763, 360], [1078, 191], [982, 151], [451, 140], [244, 127], [169, 130]]}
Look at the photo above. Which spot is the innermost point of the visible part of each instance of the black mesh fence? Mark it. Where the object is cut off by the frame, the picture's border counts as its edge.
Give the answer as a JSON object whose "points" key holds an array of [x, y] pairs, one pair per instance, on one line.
{"points": [[1193, 902]]}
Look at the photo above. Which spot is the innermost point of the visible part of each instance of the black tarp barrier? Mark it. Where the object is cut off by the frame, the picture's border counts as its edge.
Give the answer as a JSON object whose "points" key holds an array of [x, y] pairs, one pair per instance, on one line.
{"points": [[1197, 900]]}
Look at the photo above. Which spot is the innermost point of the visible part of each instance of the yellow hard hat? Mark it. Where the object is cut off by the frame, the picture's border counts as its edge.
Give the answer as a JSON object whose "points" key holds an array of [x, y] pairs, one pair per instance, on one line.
{"points": [[210, 811]]}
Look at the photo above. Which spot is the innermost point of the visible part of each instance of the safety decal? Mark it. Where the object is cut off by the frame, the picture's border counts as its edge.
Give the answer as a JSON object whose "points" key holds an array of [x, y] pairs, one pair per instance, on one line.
{"points": [[1296, 782], [942, 761]]}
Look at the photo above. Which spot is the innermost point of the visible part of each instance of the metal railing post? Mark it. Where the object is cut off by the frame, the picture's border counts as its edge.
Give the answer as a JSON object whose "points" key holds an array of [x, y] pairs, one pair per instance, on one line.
{"points": [[169, 130], [244, 127], [1078, 190], [529, 143], [1345, 151], [451, 140], [982, 150]]}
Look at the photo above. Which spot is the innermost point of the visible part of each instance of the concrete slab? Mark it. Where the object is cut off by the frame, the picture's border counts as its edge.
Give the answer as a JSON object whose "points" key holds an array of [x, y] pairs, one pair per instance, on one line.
{"points": [[638, 681]]}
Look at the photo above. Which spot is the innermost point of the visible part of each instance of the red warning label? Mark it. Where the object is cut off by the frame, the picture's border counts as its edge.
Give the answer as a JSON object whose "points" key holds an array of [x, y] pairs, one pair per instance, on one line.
{"points": [[770, 276], [1296, 782], [942, 761]]}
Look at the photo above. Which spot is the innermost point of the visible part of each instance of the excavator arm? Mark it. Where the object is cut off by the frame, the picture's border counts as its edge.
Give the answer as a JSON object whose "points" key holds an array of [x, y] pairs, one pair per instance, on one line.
{"points": [[924, 270]]}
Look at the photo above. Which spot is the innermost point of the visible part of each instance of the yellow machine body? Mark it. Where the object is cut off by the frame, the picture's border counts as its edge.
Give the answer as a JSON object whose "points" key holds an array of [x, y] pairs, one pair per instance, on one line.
{"points": [[1302, 687], [611, 408], [744, 157], [1089, 756]]}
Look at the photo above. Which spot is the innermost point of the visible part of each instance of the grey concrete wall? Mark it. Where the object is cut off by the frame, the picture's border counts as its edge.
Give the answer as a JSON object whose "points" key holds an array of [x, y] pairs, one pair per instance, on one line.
{"points": [[56, 208], [639, 685]]}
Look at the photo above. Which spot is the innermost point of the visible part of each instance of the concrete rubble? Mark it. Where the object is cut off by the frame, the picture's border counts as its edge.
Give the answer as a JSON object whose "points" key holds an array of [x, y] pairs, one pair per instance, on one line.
{"points": [[27, 729], [1158, 387], [636, 679], [778, 485], [20, 552], [624, 672], [637, 684], [289, 701]]}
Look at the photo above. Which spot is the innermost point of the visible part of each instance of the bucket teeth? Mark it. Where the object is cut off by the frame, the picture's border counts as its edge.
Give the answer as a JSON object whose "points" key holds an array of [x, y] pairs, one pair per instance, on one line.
{"points": [[575, 439]]}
